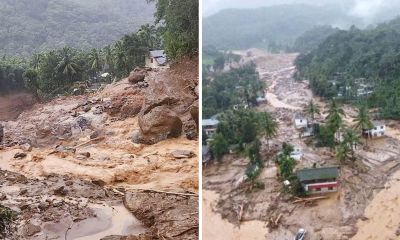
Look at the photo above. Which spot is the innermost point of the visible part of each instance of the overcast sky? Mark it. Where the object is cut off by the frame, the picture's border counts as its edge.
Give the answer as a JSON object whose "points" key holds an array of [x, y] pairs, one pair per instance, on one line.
{"points": [[366, 9]]}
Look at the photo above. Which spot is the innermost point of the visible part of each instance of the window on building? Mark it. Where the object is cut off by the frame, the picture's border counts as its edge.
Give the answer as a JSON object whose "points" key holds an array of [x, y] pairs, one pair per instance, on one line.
{"points": [[301, 120], [330, 188], [151, 59], [374, 128], [381, 127], [318, 189]]}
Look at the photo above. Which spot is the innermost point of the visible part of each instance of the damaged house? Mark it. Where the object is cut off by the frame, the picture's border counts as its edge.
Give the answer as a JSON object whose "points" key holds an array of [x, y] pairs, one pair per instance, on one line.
{"points": [[319, 180]]}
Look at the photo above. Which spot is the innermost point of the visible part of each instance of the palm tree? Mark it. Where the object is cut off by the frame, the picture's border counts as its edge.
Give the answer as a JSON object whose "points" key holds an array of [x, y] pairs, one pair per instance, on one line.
{"points": [[311, 109], [334, 108], [95, 62], [121, 57], [351, 138], [268, 125], [68, 65], [108, 54], [363, 121], [36, 60], [342, 152], [148, 33]]}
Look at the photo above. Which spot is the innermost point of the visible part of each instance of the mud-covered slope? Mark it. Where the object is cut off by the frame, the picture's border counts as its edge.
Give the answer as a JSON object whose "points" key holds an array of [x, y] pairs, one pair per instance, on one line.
{"points": [[84, 149]]}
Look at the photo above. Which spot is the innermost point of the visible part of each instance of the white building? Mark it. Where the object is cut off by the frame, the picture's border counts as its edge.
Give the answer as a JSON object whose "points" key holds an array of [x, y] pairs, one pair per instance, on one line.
{"points": [[379, 130], [297, 153], [300, 121], [157, 59], [209, 126]]}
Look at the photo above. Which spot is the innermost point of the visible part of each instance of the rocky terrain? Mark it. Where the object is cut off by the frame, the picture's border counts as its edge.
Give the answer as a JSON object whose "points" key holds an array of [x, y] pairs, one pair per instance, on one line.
{"points": [[86, 167], [351, 213]]}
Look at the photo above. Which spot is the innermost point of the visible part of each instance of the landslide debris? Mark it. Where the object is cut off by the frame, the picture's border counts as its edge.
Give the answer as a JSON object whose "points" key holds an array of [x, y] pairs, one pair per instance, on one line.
{"points": [[169, 95]]}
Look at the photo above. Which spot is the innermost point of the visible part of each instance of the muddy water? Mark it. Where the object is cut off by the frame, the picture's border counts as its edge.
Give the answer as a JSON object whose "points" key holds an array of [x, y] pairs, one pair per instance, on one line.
{"points": [[383, 214], [214, 227], [109, 221]]}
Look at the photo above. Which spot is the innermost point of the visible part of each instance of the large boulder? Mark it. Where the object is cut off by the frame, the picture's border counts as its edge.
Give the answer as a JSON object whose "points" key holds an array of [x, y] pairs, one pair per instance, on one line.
{"points": [[194, 112], [135, 77], [159, 124], [170, 90]]}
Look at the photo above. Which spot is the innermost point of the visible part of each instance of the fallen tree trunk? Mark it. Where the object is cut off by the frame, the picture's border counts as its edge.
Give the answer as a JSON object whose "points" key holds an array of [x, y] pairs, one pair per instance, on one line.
{"points": [[310, 199]]}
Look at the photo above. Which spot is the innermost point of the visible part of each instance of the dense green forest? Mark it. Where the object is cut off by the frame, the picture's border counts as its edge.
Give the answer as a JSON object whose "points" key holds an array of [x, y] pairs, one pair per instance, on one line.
{"points": [[358, 65], [236, 86], [310, 40], [269, 27], [61, 70], [28, 27]]}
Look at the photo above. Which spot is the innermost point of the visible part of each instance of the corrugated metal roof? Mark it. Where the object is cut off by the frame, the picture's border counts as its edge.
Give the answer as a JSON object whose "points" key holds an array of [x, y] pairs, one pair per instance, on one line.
{"points": [[377, 123], [209, 122], [157, 53], [161, 60], [317, 173]]}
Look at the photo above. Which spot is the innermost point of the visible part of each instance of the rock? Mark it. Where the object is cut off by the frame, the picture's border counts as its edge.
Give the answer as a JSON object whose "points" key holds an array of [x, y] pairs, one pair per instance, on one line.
{"points": [[191, 135], [81, 157], [82, 122], [27, 147], [29, 229], [159, 124], [96, 134], [58, 203], [43, 132], [168, 91], [196, 90], [44, 205], [99, 194], [106, 99], [98, 111], [86, 108], [135, 77], [24, 206], [135, 137], [20, 155], [131, 109], [69, 183], [3, 196], [128, 156], [347, 230], [86, 154], [194, 112], [121, 189], [62, 128], [98, 182], [60, 148], [60, 191], [83, 102], [95, 99], [183, 161], [110, 133], [23, 191], [183, 154]]}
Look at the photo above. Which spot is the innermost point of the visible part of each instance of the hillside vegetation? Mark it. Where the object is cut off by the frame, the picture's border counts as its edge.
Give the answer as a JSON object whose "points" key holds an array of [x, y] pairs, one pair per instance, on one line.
{"points": [[27, 28], [372, 55], [312, 38], [269, 27]]}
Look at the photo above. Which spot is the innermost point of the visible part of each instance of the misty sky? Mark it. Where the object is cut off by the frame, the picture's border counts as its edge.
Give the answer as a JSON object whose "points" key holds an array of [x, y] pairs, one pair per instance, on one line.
{"points": [[366, 9]]}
